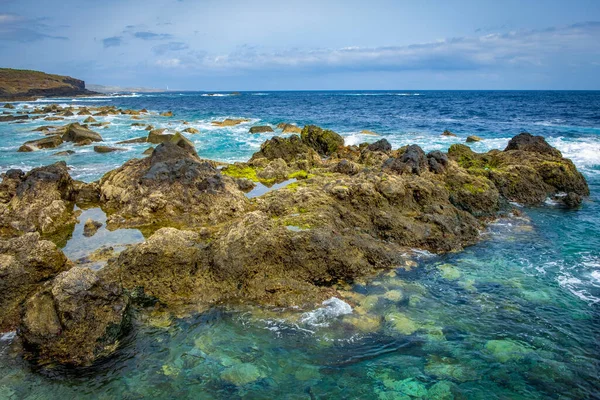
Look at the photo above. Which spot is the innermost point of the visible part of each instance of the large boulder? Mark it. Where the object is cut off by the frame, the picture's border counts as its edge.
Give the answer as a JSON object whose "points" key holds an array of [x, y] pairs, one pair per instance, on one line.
{"points": [[75, 318], [380, 145], [290, 149], [171, 187], [48, 142], [261, 129], [412, 161], [324, 141], [38, 201], [77, 133], [527, 142], [25, 263]]}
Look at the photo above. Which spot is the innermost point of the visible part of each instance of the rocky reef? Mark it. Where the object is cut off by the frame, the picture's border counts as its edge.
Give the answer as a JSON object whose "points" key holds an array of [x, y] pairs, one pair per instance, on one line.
{"points": [[340, 213]]}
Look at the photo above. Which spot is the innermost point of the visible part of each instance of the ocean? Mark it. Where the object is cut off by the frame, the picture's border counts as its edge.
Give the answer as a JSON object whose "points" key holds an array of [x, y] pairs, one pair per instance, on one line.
{"points": [[516, 316]]}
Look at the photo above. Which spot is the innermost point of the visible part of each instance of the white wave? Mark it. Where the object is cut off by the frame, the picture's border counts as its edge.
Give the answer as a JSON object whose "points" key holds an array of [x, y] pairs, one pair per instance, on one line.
{"points": [[8, 336], [332, 309], [259, 94], [216, 95], [584, 152]]}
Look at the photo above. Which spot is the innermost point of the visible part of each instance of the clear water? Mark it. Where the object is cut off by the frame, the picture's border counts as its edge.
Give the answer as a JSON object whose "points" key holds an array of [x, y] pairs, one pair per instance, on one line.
{"points": [[516, 316]]}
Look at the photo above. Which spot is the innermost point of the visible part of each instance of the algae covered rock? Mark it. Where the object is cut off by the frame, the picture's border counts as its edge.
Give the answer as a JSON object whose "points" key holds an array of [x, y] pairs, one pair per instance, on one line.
{"points": [[25, 263], [172, 186], [324, 141], [507, 350], [241, 374], [537, 144], [290, 149], [261, 129], [78, 134], [75, 319], [40, 200]]}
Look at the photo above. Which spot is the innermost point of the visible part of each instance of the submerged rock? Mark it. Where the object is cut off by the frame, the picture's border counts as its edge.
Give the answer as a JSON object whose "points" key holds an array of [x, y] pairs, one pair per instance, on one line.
{"points": [[241, 374], [91, 227], [25, 263], [229, 122], [75, 319], [107, 149]]}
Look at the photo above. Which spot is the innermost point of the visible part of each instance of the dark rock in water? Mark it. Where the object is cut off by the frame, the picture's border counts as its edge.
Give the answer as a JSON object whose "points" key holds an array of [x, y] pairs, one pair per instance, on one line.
{"points": [[67, 114], [40, 200], [167, 114], [89, 120], [325, 142], [448, 133], [289, 128], [261, 129], [171, 186], [380, 145], [148, 151], [572, 200], [48, 142], [10, 118], [527, 142], [78, 134], [191, 131], [84, 142], [25, 263], [84, 111], [135, 140], [438, 161], [107, 149], [9, 106], [157, 136], [91, 227], [64, 153], [473, 138], [75, 319], [54, 119], [346, 167], [412, 161]]}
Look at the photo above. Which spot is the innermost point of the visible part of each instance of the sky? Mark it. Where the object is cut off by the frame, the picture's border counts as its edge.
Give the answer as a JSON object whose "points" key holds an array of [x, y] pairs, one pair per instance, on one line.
{"points": [[308, 45]]}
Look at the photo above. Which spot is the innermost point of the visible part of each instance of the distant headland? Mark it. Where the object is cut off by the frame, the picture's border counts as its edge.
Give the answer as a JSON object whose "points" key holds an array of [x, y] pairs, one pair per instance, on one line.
{"points": [[19, 84]]}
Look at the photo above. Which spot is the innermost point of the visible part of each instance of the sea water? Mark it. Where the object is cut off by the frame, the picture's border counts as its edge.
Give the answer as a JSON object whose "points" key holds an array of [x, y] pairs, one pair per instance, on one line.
{"points": [[516, 316]]}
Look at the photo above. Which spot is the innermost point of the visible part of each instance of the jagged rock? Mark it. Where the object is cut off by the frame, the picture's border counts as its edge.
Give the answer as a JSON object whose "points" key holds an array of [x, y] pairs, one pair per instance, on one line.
{"points": [[91, 227], [67, 113], [48, 142], [537, 144], [149, 128], [289, 149], [89, 120], [86, 192], [473, 138], [53, 119], [229, 122], [448, 133], [41, 201], [325, 142], [107, 149], [148, 151], [84, 142], [380, 145], [9, 106], [346, 167], [261, 129], [438, 161], [84, 111], [412, 161], [78, 134], [572, 200], [171, 186], [135, 140], [75, 319], [289, 128], [276, 170], [25, 263], [158, 136], [191, 130]]}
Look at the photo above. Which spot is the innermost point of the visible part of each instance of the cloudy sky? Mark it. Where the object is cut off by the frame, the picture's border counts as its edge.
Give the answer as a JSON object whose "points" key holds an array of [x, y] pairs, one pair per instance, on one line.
{"points": [[306, 44]]}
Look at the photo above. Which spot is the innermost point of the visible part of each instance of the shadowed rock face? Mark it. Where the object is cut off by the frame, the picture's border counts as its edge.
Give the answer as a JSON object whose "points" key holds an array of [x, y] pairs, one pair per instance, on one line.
{"points": [[536, 144], [25, 263], [324, 141], [40, 200], [172, 186], [74, 319]]}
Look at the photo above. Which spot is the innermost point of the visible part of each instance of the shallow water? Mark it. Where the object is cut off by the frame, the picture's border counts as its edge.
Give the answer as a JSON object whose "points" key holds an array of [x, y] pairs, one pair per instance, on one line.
{"points": [[516, 316]]}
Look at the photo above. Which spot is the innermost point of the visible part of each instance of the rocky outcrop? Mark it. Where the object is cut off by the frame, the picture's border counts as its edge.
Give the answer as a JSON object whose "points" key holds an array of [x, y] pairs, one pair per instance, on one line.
{"points": [[80, 134], [380, 145], [290, 149], [229, 122], [324, 141], [261, 129], [524, 176], [38, 201], [18, 84], [535, 144], [289, 128], [107, 149], [91, 227], [75, 318], [171, 187], [473, 138], [25, 263], [48, 142]]}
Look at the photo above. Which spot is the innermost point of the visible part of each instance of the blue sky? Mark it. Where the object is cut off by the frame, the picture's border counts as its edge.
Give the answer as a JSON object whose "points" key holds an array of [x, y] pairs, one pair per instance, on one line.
{"points": [[303, 45]]}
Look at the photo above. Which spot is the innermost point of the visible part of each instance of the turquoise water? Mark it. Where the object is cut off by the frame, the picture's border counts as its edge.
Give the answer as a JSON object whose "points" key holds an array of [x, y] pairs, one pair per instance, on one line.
{"points": [[516, 316]]}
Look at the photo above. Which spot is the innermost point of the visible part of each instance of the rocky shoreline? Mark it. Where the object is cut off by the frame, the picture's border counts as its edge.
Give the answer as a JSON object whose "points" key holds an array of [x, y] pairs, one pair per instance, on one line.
{"points": [[344, 212]]}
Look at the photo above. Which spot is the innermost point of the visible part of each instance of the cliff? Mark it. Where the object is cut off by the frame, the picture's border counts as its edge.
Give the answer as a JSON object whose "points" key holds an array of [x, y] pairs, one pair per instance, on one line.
{"points": [[17, 84]]}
